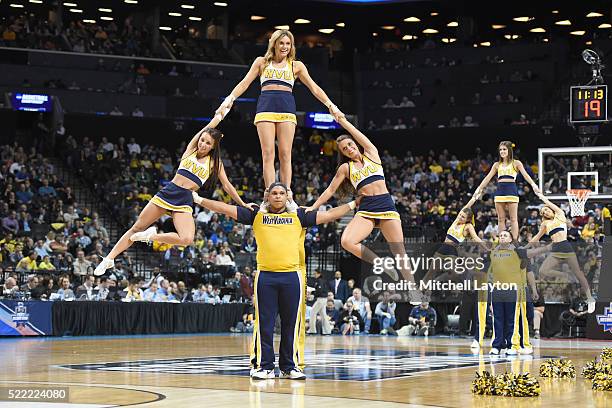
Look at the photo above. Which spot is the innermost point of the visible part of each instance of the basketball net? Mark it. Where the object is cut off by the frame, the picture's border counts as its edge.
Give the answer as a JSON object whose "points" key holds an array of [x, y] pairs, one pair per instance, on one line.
{"points": [[577, 199]]}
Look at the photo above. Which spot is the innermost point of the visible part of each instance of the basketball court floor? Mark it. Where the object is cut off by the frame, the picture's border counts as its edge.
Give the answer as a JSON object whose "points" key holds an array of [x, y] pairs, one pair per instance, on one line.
{"points": [[212, 371]]}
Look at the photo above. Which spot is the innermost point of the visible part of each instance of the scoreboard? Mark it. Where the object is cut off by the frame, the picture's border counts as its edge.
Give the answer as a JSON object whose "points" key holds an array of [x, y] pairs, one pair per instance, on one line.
{"points": [[588, 103]]}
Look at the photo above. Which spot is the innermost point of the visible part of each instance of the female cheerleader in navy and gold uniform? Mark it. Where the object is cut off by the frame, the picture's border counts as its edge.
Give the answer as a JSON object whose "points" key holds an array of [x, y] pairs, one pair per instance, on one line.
{"points": [[360, 170], [456, 234], [506, 196], [275, 118], [554, 224], [200, 164]]}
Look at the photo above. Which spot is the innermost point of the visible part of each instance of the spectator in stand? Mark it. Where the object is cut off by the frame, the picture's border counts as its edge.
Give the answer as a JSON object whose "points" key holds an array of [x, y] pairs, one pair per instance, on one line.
{"points": [[46, 190], [45, 264], [31, 284], [246, 284], [521, 121], [133, 147], [385, 311], [10, 223], [133, 291], [152, 294], [10, 287], [137, 113], [64, 292], [116, 111], [422, 320], [27, 263], [406, 103], [331, 315], [351, 320], [200, 293], [103, 288], [362, 305], [400, 125], [321, 289], [389, 104], [339, 287], [469, 122], [82, 266]]}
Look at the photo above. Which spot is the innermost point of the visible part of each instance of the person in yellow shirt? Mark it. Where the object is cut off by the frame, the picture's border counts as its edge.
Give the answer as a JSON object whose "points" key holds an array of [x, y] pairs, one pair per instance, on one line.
{"points": [[588, 231], [436, 168], [144, 194], [27, 263], [46, 264], [279, 283], [330, 146], [509, 267]]}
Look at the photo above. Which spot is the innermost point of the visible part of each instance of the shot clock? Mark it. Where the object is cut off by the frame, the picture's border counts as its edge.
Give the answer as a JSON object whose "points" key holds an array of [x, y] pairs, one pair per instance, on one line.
{"points": [[589, 103]]}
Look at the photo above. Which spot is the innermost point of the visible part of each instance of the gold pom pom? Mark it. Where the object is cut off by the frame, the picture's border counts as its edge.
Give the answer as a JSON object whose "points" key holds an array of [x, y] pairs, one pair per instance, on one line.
{"points": [[557, 369], [602, 382], [595, 367], [506, 385], [517, 385], [606, 354], [483, 384]]}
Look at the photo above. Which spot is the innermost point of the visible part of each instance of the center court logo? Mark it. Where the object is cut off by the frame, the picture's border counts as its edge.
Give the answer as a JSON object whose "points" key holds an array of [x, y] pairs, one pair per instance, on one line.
{"points": [[335, 364], [605, 319]]}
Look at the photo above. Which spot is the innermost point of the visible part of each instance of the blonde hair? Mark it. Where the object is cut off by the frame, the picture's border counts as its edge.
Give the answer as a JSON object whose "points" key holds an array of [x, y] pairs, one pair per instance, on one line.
{"points": [[274, 38]]}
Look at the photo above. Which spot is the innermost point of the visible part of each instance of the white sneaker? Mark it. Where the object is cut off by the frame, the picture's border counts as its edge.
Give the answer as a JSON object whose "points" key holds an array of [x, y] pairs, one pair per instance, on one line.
{"points": [[383, 332], [144, 236], [494, 352], [294, 374], [105, 264], [262, 374], [526, 350], [512, 352], [591, 304], [475, 344]]}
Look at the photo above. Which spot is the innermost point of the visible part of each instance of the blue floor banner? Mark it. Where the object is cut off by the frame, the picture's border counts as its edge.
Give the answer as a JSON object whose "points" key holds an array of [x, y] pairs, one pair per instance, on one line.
{"points": [[25, 318]]}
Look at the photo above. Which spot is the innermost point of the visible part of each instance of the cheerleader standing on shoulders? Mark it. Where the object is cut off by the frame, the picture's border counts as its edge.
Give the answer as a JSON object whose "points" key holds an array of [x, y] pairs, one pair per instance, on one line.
{"points": [[275, 118], [507, 196]]}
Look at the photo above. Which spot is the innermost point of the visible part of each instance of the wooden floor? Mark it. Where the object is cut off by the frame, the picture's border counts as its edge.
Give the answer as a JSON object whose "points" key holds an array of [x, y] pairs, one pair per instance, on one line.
{"points": [[211, 371]]}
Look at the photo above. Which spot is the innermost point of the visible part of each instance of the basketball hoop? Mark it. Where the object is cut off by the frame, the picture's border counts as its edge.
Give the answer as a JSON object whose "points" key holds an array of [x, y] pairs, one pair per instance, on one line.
{"points": [[577, 198]]}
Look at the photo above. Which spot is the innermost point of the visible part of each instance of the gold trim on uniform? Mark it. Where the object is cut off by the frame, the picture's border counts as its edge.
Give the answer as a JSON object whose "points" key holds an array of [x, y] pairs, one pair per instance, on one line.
{"points": [[163, 204], [387, 215], [256, 340], [275, 117], [506, 199]]}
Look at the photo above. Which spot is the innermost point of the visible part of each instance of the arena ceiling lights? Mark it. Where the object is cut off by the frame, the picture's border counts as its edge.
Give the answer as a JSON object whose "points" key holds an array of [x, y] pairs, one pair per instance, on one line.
{"points": [[301, 21], [36, 1]]}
